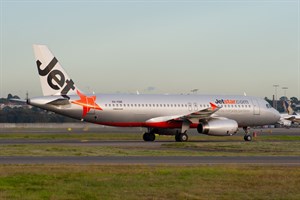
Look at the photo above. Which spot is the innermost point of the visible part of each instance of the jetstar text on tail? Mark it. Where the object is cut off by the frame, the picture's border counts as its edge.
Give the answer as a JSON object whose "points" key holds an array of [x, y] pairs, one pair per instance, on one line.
{"points": [[56, 79]]}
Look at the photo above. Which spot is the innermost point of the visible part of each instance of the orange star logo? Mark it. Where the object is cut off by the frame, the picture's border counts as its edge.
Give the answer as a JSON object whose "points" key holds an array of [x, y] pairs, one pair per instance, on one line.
{"points": [[87, 103]]}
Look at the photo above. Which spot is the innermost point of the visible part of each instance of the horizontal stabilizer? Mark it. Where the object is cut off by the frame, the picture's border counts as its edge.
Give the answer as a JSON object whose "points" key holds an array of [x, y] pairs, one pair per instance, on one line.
{"points": [[59, 102]]}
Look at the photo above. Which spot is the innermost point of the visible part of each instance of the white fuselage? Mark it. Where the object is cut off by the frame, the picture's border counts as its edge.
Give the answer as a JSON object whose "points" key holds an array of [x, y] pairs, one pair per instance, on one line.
{"points": [[137, 110]]}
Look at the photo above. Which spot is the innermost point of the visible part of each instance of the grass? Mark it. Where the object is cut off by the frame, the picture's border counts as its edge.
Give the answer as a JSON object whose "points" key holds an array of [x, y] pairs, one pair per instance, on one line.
{"points": [[73, 150], [198, 146], [130, 136], [143, 182], [240, 148], [162, 149], [148, 182]]}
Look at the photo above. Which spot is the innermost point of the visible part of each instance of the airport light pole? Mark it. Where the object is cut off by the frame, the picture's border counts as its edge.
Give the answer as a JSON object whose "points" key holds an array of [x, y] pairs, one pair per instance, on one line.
{"points": [[285, 89], [275, 105]]}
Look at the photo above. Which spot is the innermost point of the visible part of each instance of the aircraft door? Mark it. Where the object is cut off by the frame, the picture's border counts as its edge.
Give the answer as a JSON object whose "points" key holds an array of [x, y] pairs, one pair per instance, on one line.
{"points": [[190, 106], [256, 109], [195, 107]]}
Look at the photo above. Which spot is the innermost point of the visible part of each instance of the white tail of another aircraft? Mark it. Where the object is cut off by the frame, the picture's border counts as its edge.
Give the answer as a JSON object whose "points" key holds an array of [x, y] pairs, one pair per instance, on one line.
{"points": [[287, 105], [54, 79]]}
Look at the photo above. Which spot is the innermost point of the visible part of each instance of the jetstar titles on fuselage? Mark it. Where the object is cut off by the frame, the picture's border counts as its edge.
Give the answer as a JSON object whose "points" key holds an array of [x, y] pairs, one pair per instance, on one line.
{"points": [[231, 101]]}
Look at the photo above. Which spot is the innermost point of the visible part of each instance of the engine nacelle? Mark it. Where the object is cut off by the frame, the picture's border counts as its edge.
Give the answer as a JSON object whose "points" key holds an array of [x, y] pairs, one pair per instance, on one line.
{"points": [[218, 127]]}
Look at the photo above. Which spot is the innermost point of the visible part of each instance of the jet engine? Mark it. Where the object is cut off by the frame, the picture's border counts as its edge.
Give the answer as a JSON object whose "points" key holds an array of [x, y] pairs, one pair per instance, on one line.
{"points": [[218, 127]]}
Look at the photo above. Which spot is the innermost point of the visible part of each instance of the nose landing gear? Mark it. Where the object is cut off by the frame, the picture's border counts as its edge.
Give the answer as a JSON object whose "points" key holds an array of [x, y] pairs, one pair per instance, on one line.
{"points": [[247, 136]]}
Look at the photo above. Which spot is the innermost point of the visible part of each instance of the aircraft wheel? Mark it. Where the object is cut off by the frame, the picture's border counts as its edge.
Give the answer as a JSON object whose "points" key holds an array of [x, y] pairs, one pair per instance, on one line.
{"points": [[247, 137], [149, 137], [183, 137]]}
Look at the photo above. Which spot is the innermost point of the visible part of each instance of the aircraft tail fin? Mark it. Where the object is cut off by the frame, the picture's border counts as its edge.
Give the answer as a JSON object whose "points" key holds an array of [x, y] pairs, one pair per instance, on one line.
{"points": [[54, 79], [287, 105]]}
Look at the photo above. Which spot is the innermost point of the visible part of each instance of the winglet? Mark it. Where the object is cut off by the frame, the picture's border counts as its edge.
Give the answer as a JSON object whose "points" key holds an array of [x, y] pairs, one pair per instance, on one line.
{"points": [[213, 106]]}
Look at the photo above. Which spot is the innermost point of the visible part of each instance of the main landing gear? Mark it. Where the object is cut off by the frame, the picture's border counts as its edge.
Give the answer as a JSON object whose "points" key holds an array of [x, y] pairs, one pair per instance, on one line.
{"points": [[149, 137], [247, 136], [181, 137]]}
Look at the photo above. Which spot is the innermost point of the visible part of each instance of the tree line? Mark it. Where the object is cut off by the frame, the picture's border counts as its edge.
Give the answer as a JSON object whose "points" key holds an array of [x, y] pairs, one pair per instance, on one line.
{"points": [[24, 114]]}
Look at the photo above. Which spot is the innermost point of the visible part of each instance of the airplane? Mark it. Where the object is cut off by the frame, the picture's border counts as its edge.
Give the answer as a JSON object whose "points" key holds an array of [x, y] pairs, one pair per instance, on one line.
{"points": [[217, 115], [290, 117]]}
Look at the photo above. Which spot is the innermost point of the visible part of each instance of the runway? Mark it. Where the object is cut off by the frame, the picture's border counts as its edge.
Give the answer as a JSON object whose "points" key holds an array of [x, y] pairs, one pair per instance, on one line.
{"points": [[153, 160]]}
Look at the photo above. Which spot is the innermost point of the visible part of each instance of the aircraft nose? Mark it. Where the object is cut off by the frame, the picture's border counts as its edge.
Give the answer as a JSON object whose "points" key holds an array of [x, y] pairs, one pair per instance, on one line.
{"points": [[276, 115]]}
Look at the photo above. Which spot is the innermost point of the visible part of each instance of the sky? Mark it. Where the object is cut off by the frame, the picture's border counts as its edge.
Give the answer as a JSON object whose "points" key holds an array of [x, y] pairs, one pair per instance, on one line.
{"points": [[168, 47]]}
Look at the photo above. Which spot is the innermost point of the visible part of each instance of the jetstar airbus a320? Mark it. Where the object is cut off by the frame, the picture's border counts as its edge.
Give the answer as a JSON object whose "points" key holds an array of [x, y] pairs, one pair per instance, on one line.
{"points": [[218, 115]]}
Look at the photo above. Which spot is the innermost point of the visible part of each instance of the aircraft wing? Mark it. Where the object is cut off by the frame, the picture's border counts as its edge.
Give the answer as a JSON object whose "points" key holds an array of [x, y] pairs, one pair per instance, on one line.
{"points": [[192, 117], [291, 118]]}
